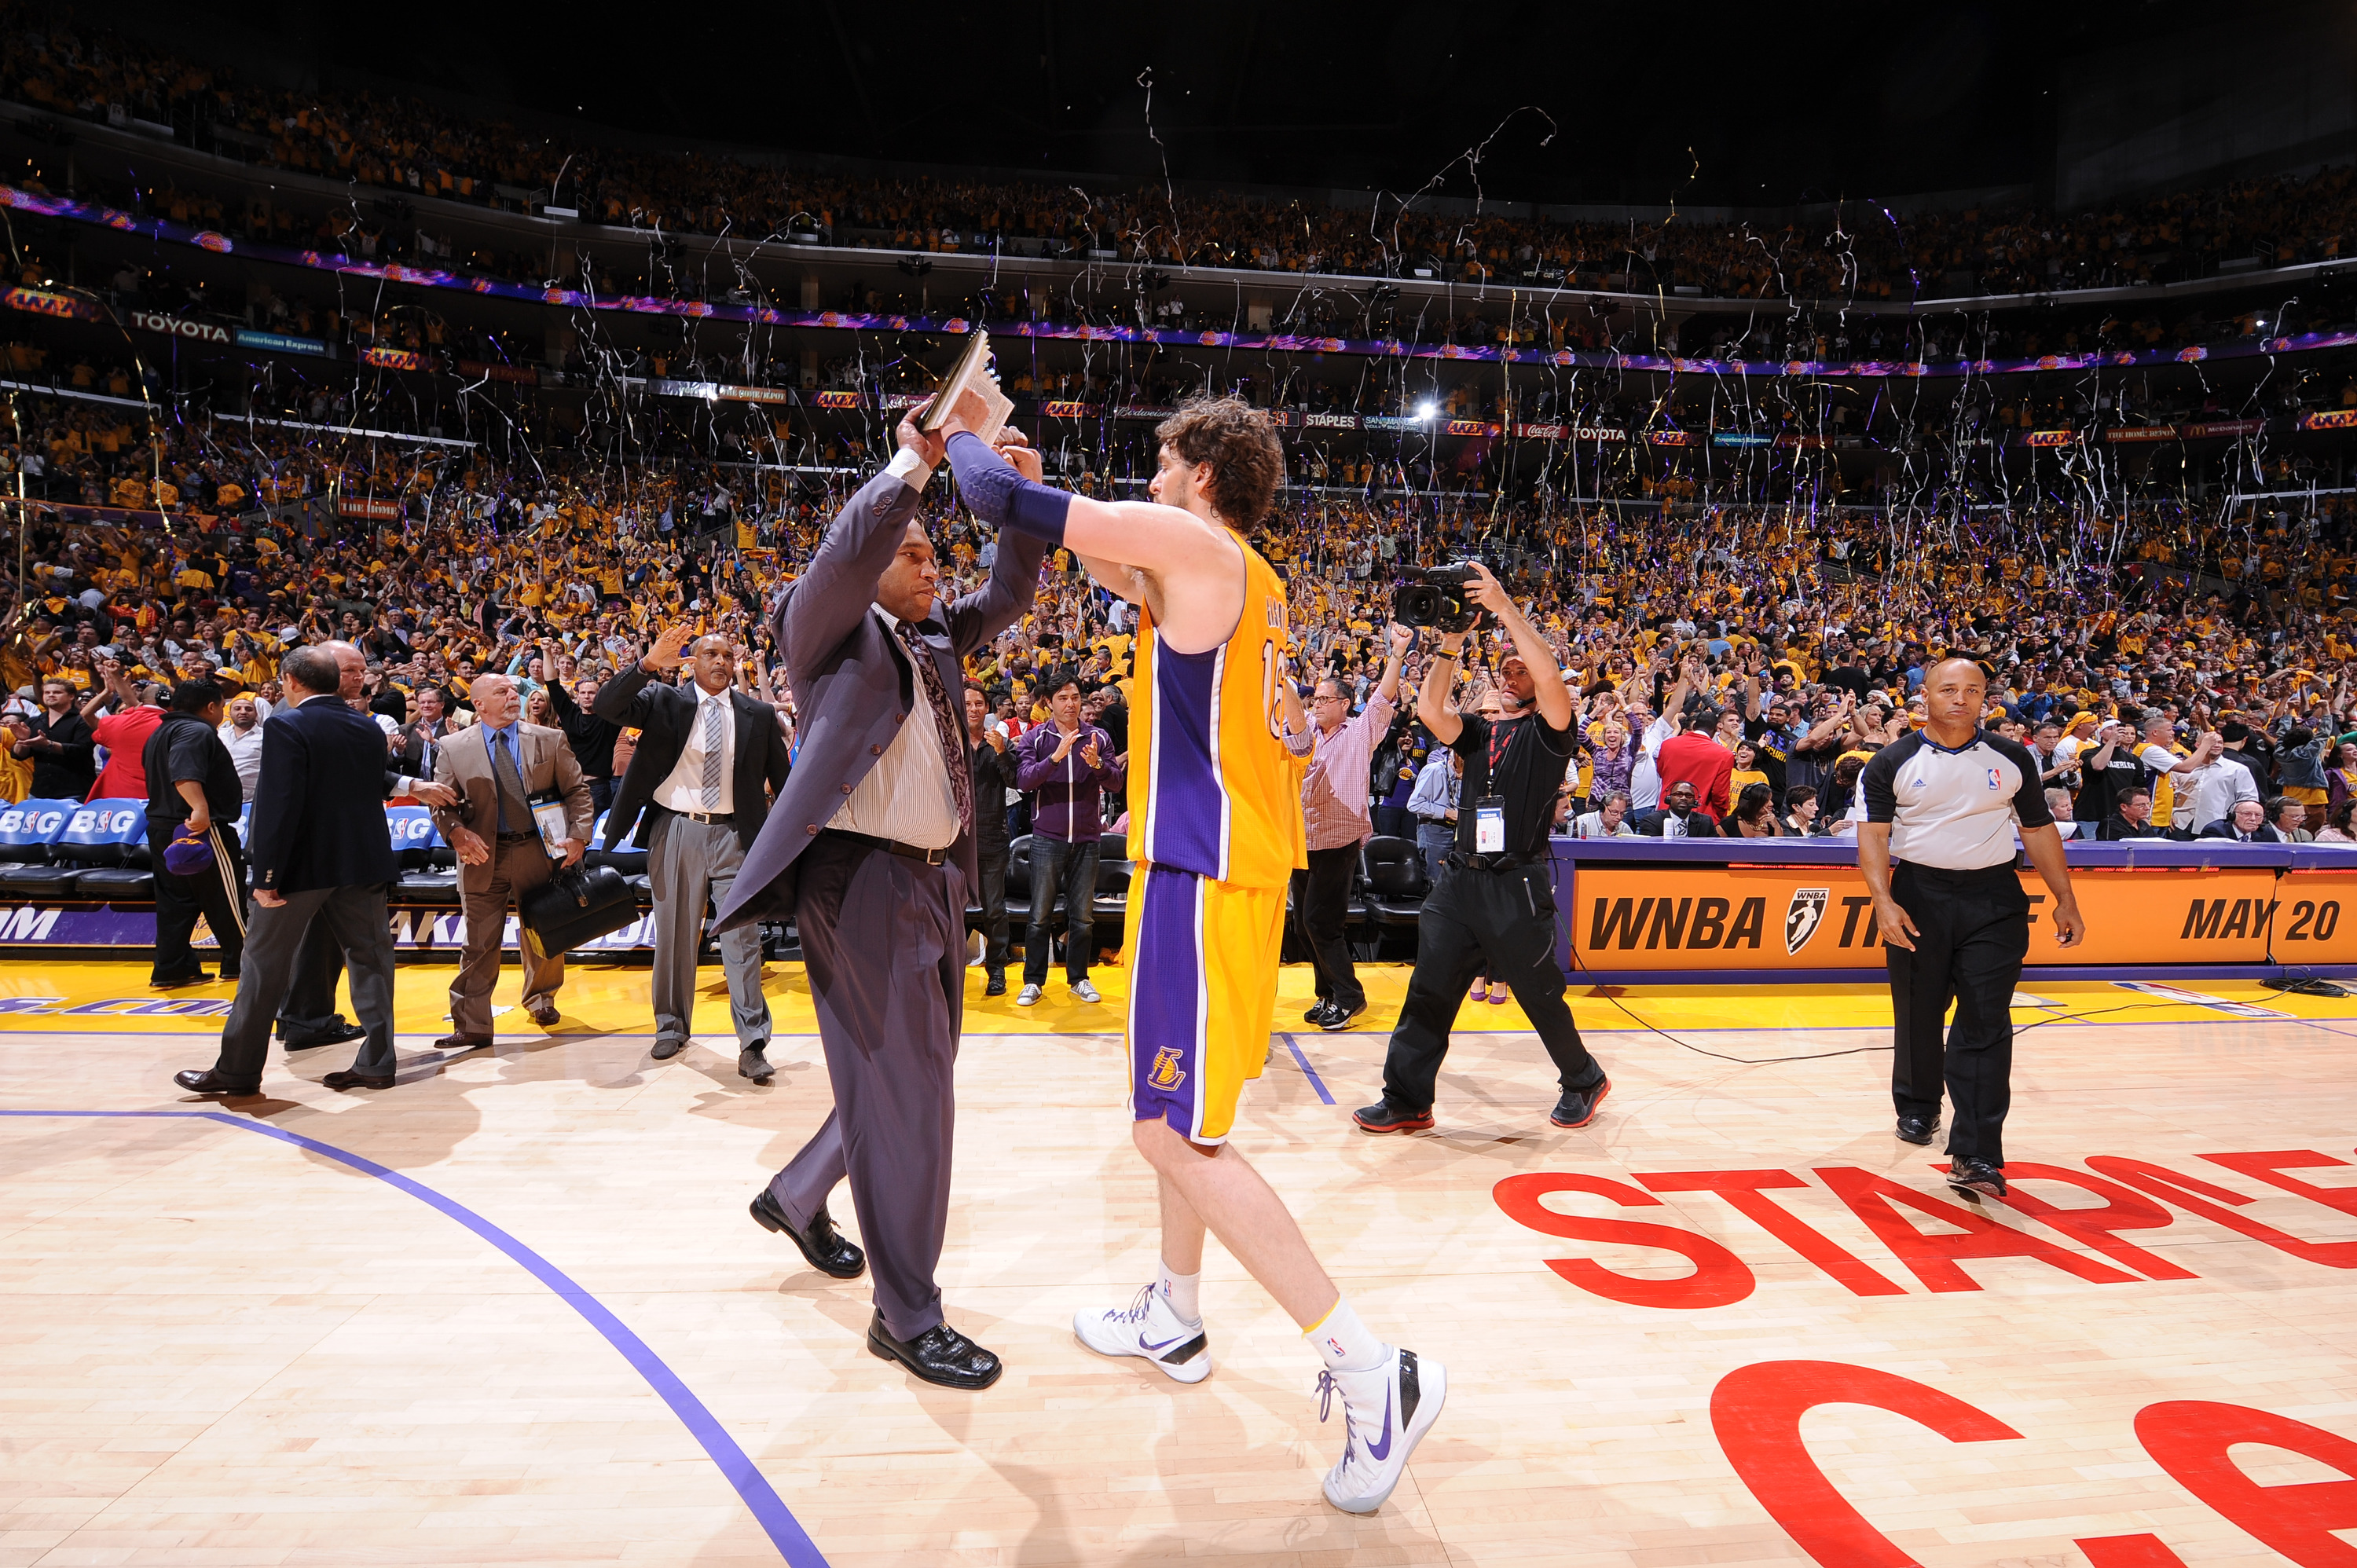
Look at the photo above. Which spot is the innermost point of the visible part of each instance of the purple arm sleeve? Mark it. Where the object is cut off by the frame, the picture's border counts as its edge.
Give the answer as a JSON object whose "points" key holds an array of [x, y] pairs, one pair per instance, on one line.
{"points": [[1000, 495]]}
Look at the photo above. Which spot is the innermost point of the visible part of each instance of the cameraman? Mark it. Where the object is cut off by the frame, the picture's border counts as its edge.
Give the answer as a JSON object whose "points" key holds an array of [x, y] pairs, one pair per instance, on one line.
{"points": [[1494, 904]]}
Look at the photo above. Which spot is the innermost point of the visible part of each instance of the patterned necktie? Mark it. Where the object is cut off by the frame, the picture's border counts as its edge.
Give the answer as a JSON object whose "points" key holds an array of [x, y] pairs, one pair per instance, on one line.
{"points": [[946, 723], [509, 779], [712, 745]]}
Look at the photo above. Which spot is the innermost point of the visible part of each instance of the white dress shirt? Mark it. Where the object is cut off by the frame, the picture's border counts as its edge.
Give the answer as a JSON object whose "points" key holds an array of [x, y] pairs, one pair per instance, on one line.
{"points": [[683, 788], [2215, 788], [907, 795], [245, 751]]}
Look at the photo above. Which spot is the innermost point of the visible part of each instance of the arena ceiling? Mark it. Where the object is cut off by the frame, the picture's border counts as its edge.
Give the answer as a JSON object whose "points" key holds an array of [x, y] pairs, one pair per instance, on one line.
{"points": [[1707, 105]]}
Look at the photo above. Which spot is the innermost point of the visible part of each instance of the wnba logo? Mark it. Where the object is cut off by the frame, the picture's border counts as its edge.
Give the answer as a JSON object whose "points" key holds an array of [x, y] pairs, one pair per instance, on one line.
{"points": [[1166, 1072]]}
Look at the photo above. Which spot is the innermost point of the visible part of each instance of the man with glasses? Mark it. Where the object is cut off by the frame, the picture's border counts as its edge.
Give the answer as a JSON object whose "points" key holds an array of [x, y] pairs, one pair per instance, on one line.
{"points": [[1334, 806]]}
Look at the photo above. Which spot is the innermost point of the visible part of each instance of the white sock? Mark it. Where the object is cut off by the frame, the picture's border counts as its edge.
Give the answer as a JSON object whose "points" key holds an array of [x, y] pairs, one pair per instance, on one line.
{"points": [[1345, 1342], [1182, 1293]]}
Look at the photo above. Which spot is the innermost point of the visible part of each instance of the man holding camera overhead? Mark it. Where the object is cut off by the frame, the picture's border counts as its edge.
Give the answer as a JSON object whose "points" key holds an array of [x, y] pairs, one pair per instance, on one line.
{"points": [[1494, 904]]}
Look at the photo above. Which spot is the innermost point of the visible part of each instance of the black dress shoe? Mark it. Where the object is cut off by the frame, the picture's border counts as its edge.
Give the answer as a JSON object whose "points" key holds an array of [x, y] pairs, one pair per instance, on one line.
{"points": [[940, 1355], [358, 1080], [1976, 1179], [666, 1050], [822, 1245], [462, 1042], [177, 981], [546, 1017], [341, 1034], [752, 1064], [207, 1081], [1917, 1129], [995, 986]]}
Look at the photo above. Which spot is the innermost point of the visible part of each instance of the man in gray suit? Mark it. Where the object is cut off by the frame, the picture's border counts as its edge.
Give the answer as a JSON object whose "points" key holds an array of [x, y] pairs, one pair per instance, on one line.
{"points": [[870, 847], [709, 757]]}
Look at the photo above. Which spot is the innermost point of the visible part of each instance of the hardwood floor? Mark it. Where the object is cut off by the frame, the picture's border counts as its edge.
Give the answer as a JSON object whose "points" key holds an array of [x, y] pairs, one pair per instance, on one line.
{"points": [[218, 1348]]}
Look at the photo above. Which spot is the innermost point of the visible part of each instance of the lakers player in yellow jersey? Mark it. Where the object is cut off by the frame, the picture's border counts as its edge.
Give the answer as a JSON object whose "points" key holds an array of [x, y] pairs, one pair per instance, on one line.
{"points": [[1218, 742]]}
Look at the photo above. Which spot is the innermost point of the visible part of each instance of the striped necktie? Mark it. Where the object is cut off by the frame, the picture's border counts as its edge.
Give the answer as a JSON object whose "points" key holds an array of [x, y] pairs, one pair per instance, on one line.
{"points": [[952, 736], [712, 749]]}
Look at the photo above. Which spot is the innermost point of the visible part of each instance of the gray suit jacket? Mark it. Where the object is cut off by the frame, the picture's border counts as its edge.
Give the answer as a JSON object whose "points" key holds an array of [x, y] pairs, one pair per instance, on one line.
{"points": [[854, 686]]}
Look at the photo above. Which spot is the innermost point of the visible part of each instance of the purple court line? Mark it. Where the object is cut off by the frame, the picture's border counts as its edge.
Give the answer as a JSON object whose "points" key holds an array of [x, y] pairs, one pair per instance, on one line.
{"points": [[1306, 1071], [784, 1530]]}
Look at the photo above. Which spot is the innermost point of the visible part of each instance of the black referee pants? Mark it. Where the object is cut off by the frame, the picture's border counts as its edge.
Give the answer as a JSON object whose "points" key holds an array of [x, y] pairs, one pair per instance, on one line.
{"points": [[1505, 920], [1321, 907], [1973, 931]]}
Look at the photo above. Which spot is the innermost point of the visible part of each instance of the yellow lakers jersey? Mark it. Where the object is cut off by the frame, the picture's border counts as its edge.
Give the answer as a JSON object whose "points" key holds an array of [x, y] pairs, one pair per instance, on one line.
{"points": [[1210, 781]]}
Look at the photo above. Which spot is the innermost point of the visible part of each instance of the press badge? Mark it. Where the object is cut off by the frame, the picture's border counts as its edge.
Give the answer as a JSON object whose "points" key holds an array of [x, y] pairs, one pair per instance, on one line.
{"points": [[1490, 825]]}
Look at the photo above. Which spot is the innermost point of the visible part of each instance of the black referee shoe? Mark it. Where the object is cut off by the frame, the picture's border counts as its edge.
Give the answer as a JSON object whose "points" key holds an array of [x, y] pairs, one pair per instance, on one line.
{"points": [[1917, 1129], [1974, 1178]]}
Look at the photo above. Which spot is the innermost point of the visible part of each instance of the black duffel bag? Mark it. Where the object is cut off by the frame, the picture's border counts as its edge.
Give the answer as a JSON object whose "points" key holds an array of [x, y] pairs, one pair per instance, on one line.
{"points": [[573, 907]]}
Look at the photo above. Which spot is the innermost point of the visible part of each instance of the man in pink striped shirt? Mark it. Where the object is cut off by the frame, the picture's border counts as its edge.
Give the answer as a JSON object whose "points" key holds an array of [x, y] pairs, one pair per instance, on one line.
{"points": [[1334, 804]]}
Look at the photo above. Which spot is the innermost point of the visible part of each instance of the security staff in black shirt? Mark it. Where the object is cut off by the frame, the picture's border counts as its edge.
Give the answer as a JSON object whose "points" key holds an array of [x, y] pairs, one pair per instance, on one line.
{"points": [[193, 791], [1494, 904], [1944, 803]]}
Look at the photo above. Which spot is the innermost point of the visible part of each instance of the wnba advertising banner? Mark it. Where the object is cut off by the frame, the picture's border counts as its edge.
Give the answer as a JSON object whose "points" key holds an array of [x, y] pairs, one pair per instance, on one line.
{"points": [[1674, 918]]}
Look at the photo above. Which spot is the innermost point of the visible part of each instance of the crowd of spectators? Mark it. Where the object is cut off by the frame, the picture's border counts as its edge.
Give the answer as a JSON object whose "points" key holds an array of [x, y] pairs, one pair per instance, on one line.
{"points": [[1796, 640], [1856, 250]]}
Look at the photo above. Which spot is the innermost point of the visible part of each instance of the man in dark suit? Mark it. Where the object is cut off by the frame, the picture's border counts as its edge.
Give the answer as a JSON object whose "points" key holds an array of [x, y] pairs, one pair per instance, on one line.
{"points": [[308, 1017], [418, 741], [871, 848], [990, 759], [318, 849], [709, 757], [1676, 817], [2248, 825]]}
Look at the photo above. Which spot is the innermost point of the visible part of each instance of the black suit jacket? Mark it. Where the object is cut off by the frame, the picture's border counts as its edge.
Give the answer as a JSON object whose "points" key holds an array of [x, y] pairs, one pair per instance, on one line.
{"points": [[318, 804], [661, 714], [1698, 823], [2116, 827], [2221, 828], [410, 759], [854, 686]]}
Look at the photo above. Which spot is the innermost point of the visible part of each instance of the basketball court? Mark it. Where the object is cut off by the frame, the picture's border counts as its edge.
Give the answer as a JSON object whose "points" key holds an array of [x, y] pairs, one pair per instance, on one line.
{"points": [[513, 1311]]}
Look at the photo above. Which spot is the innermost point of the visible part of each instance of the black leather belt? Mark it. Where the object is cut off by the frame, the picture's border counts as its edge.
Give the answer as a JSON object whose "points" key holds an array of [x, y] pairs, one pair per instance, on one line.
{"points": [[907, 851], [516, 838], [722, 818], [1463, 861]]}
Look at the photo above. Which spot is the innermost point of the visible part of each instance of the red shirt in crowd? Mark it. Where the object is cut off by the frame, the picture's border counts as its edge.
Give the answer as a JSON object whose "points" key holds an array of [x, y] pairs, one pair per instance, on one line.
{"points": [[1694, 759], [124, 734]]}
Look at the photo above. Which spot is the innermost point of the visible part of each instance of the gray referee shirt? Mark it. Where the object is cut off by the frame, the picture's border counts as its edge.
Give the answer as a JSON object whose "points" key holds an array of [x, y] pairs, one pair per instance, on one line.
{"points": [[1953, 810]]}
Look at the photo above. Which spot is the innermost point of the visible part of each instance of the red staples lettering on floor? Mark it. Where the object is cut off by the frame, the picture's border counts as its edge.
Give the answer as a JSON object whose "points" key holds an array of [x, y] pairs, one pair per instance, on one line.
{"points": [[1756, 1414], [1934, 1258], [1745, 1192], [2092, 1228], [2126, 1550], [2265, 1168], [1719, 1278], [2191, 1439], [2198, 1197]]}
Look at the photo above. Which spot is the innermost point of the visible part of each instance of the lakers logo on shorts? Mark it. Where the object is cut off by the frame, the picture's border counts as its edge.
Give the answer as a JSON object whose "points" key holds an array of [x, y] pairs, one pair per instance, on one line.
{"points": [[1166, 1072]]}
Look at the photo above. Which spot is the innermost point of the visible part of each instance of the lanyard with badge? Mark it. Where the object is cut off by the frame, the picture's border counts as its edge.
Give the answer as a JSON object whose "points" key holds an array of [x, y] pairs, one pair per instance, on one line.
{"points": [[1489, 810]]}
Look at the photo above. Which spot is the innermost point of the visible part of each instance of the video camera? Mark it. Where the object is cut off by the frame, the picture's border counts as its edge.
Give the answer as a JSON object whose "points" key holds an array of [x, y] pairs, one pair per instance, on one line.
{"points": [[1436, 597]]}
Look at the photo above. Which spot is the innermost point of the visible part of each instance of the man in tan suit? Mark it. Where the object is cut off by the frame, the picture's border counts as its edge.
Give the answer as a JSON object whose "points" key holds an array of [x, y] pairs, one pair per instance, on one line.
{"points": [[497, 765]]}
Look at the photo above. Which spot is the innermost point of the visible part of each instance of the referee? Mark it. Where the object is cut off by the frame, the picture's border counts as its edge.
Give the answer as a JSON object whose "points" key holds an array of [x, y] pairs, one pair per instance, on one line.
{"points": [[1944, 803]]}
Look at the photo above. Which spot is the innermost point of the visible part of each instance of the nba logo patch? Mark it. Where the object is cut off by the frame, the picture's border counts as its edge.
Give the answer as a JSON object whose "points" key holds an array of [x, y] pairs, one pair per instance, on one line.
{"points": [[1166, 1072]]}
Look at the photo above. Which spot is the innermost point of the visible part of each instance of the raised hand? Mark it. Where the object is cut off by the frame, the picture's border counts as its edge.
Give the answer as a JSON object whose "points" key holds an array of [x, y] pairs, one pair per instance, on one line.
{"points": [[666, 652]]}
